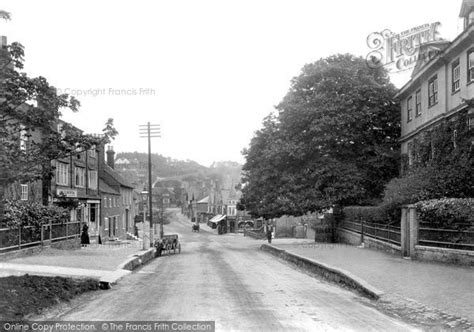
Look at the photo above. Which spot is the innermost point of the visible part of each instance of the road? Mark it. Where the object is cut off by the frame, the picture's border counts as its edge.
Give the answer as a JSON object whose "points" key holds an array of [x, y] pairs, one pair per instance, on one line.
{"points": [[226, 279]]}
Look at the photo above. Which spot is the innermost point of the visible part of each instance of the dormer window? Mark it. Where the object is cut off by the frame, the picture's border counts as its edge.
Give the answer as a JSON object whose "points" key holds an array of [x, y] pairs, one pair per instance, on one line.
{"points": [[469, 19], [467, 13]]}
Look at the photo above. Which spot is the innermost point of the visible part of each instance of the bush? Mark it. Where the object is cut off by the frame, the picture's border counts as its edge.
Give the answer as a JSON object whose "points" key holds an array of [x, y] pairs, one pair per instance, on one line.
{"points": [[21, 214], [447, 211], [374, 214]]}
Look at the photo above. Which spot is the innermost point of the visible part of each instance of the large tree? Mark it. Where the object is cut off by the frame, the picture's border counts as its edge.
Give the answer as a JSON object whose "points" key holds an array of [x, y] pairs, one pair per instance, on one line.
{"points": [[30, 109], [333, 141]]}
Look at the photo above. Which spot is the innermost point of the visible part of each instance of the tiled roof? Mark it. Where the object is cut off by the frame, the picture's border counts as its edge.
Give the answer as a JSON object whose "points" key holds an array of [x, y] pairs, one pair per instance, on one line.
{"points": [[117, 177], [105, 188]]}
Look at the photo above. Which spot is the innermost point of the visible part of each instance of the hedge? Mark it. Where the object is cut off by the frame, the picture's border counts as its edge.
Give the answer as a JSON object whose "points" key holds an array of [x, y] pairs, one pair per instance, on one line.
{"points": [[447, 211], [373, 214], [21, 213]]}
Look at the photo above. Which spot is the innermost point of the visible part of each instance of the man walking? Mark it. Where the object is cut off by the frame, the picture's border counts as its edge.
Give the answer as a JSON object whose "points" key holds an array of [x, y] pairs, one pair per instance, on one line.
{"points": [[269, 234]]}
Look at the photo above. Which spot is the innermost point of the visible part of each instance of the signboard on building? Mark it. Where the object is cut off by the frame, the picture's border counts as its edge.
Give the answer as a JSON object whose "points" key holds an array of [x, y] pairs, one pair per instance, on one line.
{"points": [[66, 192]]}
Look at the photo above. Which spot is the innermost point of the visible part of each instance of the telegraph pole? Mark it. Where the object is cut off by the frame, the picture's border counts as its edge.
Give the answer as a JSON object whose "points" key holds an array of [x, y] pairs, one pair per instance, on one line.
{"points": [[149, 131]]}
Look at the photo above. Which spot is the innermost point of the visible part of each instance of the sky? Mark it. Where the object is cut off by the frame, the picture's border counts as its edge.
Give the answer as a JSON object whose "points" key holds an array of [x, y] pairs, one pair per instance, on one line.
{"points": [[206, 71]]}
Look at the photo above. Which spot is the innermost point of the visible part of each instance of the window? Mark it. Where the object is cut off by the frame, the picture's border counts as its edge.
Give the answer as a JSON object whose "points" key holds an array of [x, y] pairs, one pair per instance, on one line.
{"points": [[456, 76], [23, 138], [418, 103], [92, 152], [470, 66], [24, 192], [93, 179], [62, 172], [80, 175], [433, 91], [409, 109]]}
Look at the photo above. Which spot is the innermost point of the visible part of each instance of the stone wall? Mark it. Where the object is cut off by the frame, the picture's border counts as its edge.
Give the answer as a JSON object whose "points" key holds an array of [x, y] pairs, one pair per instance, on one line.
{"points": [[353, 238], [444, 255]]}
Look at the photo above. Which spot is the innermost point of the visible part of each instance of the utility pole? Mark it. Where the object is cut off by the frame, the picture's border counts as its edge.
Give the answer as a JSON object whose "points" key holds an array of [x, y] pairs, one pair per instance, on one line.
{"points": [[149, 131]]}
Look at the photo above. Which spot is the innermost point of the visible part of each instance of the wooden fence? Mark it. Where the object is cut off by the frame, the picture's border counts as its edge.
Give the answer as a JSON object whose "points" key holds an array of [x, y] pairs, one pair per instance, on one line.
{"points": [[31, 236]]}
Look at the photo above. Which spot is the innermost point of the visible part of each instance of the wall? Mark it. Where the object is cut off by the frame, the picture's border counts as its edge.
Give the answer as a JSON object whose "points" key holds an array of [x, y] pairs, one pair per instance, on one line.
{"points": [[444, 255], [410, 247], [353, 238]]}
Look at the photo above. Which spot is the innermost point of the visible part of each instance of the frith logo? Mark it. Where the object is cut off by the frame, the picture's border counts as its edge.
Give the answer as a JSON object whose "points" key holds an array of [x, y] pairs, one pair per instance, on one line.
{"points": [[399, 52]]}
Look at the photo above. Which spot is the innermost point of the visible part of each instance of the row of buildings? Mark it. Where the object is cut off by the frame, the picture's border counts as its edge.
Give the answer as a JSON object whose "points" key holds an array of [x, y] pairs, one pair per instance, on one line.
{"points": [[96, 194], [216, 205]]}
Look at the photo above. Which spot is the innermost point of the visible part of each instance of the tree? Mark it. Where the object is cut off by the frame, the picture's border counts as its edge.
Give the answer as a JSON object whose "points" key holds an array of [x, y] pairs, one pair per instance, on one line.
{"points": [[29, 113], [333, 141]]}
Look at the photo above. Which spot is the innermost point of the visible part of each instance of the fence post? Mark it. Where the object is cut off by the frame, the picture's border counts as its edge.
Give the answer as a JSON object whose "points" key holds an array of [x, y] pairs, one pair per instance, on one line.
{"points": [[361, 231], [42, 235], [67, 230], [403, 232], [413, 225], [19, 236]]}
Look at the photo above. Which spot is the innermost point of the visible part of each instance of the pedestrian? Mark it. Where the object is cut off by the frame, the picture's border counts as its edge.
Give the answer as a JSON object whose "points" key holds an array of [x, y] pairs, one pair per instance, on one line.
{"points": [[269, 234], [159, 247], [85, 236]]}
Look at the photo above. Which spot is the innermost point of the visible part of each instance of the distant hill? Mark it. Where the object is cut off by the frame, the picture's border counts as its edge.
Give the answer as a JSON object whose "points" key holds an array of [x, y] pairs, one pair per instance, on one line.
{"points": [[163, 167], [225, 172]]}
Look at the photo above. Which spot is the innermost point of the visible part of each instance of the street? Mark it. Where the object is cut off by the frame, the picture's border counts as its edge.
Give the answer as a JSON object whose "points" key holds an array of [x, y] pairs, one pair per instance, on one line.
{"points": [[226, 279]]}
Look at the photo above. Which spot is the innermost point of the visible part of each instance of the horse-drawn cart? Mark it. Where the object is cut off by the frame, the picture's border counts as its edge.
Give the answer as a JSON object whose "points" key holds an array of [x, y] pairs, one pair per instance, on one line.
{"points": [[169, 243]]}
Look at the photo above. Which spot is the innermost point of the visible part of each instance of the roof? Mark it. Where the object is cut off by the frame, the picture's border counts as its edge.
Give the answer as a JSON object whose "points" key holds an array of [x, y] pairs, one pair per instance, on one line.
{"points": [[465, 37], [122, 161], [466, 7], [204, 200], [428, 51], [105, 188], [117, 177], [217, 218]]}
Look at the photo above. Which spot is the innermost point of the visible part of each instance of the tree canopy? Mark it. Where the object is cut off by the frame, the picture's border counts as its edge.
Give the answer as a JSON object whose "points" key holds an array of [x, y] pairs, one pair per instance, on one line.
{"points": [[333, 140], [30, 109]]}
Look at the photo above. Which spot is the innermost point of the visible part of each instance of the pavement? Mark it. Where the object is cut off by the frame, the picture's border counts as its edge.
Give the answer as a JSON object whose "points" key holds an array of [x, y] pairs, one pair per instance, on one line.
{"points": [[102, 262], [448, 288]]}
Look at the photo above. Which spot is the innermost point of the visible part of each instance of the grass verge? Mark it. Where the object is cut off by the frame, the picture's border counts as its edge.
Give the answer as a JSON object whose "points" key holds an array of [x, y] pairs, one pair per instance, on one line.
{"points": [[23, 295]]}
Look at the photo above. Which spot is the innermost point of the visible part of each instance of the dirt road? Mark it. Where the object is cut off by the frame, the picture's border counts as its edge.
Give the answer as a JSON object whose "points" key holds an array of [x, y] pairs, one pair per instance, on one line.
{"points": [[226, 279]]}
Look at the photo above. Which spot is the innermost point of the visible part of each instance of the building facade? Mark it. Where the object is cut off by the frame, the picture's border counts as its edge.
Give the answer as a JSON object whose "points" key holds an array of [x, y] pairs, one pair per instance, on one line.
{"points": [[440, 89], [119, 207]]}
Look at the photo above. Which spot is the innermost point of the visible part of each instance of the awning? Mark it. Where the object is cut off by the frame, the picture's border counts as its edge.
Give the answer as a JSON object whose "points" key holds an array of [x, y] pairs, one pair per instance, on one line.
{"points": [[217, 218]]}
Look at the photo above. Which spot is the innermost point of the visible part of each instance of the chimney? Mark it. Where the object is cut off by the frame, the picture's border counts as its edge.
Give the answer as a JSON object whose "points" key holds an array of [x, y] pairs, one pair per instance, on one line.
{"points": [[110, 156]]}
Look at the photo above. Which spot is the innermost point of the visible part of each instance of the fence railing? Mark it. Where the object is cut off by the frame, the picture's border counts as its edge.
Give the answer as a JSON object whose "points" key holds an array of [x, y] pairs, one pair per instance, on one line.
{"points": [[387, 233], [445, 238], [30, 236]]}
